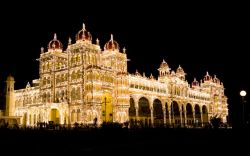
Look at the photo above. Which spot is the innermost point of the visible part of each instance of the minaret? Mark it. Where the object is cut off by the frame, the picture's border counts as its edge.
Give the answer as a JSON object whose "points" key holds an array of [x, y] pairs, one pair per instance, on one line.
{"points": [[10, 101]]}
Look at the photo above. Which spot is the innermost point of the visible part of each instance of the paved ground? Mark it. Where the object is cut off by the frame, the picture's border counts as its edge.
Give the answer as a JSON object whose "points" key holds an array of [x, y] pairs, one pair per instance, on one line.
{"points": [[122, 141]]}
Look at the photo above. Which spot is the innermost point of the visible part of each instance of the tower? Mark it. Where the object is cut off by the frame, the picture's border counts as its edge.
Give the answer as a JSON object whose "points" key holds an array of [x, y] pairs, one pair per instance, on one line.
{"points": [[164, 71], [10, 101]]}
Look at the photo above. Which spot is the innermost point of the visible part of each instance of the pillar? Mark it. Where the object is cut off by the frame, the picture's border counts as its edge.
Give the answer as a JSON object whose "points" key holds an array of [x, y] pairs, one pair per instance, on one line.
{"points": [[164, 115], [152, 116]]}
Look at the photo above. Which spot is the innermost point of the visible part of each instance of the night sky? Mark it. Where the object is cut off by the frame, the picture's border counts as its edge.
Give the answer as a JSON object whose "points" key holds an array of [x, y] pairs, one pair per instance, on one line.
{"points": [[199, 37]]}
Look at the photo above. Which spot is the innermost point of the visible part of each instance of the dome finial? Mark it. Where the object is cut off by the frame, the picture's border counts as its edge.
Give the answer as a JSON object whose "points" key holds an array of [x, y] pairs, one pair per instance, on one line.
{"points": [[83, 26], [55, 37], [112, 38]]}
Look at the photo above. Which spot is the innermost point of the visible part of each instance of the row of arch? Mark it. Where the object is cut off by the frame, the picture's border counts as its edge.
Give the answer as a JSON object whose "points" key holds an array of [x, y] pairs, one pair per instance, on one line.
{"points": [[160, 114]]}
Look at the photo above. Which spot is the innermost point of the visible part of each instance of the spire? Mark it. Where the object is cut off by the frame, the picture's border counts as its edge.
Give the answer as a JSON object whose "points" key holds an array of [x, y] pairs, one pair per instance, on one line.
{"points": [[42, 50], [83, 26], [151, 76], [207, 73], [163, 61], [124, 50], [28, 85], [112, 38], [144, 74], [137, 73], [55, 37], [97, 41], [69, 42]]}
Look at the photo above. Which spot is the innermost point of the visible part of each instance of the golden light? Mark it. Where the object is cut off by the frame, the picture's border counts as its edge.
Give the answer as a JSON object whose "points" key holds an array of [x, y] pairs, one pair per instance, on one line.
{"points": [[243, 93]]}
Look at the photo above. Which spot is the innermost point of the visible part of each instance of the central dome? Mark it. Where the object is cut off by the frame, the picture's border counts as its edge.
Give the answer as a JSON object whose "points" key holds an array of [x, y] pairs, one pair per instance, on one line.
{"points": [[111, 44], [83, 34]]}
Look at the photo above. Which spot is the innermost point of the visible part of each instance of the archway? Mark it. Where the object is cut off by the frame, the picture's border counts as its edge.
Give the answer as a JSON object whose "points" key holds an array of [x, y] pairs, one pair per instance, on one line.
{"points": [[197, 115], [189, 114], [176, 119], [144, 112], [204, 114], [132, 112], [158, 113], [107, 108], [167, 114], [55, 116]]}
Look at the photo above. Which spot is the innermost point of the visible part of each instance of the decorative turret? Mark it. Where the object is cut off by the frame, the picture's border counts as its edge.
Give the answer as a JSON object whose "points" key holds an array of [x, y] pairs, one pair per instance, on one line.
{"points": [[111, 45], [137, 73], [207, 77], [164, 68], [180, 73], [216, 80], [195, 83], [55, 44], [10, 101], [83, 35], [151, 77]]}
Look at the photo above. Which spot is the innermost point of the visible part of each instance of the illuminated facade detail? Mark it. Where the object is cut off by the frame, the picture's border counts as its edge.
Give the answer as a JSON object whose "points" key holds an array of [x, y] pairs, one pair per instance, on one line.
{"points": [[84, 82]]}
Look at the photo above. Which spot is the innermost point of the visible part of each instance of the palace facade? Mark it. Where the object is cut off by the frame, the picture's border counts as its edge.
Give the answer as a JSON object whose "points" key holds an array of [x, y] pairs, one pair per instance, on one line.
{"points": [[85, 82]]}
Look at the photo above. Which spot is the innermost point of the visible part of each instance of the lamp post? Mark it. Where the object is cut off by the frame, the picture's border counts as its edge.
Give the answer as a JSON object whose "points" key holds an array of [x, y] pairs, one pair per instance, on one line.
{"points": [[243, 94]]}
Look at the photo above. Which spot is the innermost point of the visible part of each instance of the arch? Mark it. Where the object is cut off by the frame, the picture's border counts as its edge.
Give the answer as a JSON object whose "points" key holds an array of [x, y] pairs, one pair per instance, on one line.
{"points": [[175, 110], [167, 113], [197, 115], [189, 114], [144, 112], [204, 114], [132, 112], [107, 107], [158, 113], [55, 116], [34, 119]]}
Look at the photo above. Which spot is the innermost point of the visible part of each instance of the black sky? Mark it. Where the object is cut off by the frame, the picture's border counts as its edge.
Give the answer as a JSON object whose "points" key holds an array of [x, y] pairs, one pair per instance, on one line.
{"points": [[199, 37]]}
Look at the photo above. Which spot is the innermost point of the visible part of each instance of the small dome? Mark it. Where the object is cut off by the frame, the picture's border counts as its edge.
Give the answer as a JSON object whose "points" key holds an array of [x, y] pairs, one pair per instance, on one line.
{"points": [[216, 80], [195, 83], [55, 43], [111, 44], [164, 64], [10, 78], [180, 70], [83, 34], [207, 77]]}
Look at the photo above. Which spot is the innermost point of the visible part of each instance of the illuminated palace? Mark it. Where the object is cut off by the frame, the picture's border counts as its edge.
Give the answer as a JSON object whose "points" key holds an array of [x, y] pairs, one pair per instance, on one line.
{"points": [[84, 83]]}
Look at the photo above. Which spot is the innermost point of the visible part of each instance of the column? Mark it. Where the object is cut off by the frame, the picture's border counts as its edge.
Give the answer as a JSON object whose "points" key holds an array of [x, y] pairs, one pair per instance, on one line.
{"points": [[201, 117], [194, 117], [164, 116], [169, 116], [152, 116], [181, 117], [185, 117], [136, 114]]}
